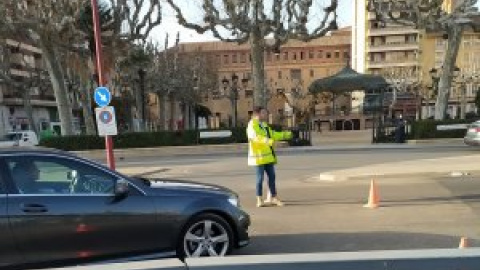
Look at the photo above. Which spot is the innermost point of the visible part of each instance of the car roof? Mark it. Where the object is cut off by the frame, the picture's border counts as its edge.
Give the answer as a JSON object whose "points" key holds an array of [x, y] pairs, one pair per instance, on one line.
{"points": [[33, 150]]}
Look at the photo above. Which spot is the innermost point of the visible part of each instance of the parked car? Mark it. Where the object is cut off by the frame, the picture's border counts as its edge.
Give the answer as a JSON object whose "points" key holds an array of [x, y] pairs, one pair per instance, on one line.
{"points": [[472, 137], [57, 208], [19, 138]]}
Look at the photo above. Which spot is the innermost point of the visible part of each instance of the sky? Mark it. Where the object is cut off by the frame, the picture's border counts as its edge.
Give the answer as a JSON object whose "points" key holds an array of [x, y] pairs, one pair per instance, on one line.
{"points": [[169, 25]]}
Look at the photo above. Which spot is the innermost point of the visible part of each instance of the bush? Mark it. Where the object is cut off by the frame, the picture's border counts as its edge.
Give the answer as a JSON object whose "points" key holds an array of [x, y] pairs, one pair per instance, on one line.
{"points": [[427, 129], [140, 140]]}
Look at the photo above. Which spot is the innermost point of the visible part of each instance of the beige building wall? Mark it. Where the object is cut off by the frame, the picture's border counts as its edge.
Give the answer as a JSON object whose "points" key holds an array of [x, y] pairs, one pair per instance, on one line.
{"points": [[288, 75], [392, 47], [467, 83]]}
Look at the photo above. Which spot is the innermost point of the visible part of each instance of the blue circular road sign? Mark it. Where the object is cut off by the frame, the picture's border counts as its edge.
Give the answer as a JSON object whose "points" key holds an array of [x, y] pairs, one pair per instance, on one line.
{"points": [[102, 96]]}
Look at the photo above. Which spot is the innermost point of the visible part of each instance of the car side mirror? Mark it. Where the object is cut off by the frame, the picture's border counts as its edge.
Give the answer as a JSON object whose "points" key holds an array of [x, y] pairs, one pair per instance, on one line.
{"points": [[121, 188]]}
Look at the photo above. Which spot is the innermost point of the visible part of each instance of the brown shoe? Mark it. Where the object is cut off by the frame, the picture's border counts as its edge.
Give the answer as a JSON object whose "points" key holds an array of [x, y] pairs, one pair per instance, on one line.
{"points": [[275, 201]]}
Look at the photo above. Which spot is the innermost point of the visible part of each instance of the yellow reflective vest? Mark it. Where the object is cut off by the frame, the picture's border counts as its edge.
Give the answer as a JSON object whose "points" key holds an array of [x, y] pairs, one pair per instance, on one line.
{"points": [[260, 143]]}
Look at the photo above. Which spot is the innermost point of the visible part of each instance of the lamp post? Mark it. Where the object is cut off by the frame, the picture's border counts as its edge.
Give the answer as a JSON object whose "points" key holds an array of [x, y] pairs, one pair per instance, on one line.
{"points": [[141, 81], [435, 76], [232, 95]]}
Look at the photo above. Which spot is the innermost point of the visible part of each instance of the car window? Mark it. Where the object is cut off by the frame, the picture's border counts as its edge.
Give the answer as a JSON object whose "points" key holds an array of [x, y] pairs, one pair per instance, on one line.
{"points": [[11, 137], [48, 175], [3, 188]]}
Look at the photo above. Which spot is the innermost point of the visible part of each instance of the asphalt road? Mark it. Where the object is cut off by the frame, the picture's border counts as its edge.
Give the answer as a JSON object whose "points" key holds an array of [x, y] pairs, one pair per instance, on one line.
{"points": [[416, 212]]}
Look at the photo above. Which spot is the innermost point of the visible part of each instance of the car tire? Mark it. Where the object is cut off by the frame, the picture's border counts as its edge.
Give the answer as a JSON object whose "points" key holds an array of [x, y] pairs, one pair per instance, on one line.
{"points": [[196, 241]]}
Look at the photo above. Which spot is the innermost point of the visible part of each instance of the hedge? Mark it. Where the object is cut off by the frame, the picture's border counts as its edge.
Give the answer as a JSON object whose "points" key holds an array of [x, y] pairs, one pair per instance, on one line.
{"points": [[427, 129], [140, 140]]}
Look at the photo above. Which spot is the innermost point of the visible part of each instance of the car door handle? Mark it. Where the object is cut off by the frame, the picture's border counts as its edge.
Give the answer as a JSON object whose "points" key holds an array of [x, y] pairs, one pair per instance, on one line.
{"points": [[33, 208]]}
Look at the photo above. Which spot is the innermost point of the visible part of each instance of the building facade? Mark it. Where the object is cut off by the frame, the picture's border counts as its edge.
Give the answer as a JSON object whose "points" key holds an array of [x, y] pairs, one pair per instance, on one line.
{"points": [[23, 64], [407, 57], [12, 112], [288, 73]]}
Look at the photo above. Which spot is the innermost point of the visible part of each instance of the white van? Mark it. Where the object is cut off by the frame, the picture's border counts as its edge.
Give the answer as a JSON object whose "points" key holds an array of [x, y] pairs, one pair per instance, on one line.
{"points": [[19, 138]]}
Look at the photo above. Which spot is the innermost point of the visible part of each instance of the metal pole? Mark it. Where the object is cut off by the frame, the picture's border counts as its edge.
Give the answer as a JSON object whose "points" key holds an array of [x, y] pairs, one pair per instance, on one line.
{"points": [[101, 78], [141, 74], [236, 107], [462, 107]]}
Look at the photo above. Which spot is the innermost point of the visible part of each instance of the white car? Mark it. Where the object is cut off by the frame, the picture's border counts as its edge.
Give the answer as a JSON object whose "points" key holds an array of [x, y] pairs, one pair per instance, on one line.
{"points": [[473, 134], [23, 138]]}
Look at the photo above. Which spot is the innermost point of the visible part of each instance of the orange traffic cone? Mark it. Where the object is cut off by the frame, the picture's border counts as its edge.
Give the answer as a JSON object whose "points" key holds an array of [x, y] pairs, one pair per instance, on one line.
{"points": [[373, 197], [463, 243]]}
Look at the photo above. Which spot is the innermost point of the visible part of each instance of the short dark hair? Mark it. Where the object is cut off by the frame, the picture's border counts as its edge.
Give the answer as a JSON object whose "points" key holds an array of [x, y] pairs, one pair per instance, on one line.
{"points": [[258, 109]]}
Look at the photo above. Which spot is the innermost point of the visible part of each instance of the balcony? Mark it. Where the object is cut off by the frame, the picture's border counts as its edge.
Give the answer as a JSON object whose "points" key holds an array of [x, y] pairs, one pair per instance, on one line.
{"points": [[401, 62], [38, 101], [389, 31], [407, 46]]}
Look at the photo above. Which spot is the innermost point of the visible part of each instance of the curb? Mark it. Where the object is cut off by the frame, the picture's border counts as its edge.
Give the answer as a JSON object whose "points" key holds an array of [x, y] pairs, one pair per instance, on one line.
{"points": [[172, 151], [241, 149], [332, 177], [437, 141]]}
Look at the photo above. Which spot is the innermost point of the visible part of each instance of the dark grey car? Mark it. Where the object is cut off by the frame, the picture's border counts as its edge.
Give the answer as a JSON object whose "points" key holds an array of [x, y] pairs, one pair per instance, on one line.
{"points": [[73, 209]]}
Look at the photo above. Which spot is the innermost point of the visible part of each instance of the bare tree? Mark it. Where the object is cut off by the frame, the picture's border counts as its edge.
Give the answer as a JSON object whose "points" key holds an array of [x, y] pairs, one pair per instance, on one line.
{"points": [[266, 25], [432, 15], [47, 24], [196, 80], [52, 25], [187, 78], [79, 75], [403, 80]]}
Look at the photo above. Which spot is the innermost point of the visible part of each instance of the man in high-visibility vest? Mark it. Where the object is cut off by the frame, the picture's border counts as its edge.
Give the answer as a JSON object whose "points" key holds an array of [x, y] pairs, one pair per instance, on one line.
{"points": [[261, 154]]}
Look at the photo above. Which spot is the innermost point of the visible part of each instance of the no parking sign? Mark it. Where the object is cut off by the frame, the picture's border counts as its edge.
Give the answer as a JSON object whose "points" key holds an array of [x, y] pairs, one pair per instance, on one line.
{"points": [[106, 122]]}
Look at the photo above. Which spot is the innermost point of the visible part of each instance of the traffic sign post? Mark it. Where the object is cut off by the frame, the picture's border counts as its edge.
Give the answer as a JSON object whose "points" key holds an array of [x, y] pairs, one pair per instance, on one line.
{"points": [[101, 79]]}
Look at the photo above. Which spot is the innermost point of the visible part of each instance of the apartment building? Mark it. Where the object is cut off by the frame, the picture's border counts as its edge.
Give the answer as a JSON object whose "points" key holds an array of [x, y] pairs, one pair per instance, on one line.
{"points": [[288, 73], [12, 112], [406, 56], [22, 62]]}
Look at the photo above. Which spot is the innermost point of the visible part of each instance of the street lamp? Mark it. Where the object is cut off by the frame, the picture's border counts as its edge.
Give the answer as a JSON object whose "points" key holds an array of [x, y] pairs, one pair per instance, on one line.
{"points": [[435, 80], [141, 76], [232, 95]]}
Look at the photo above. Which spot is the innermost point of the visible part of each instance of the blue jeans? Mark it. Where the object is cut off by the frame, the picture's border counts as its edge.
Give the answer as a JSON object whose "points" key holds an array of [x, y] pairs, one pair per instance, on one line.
{"points": [[260, 172]]}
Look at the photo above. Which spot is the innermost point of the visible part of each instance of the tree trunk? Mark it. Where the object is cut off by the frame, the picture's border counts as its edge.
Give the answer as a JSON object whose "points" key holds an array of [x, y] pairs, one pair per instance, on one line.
{"points": [[257, 47], [186, 117], [58, 83], [163, 111], [27, 105], [87, 110], [446, 74]]}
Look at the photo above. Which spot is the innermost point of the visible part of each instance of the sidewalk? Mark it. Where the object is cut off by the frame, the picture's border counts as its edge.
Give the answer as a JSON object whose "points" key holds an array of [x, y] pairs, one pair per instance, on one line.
{"points": [[242, 149], [453, 166]]}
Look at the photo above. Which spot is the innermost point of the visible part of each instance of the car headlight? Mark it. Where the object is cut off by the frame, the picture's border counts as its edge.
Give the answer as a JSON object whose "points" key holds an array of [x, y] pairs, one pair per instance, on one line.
{"points": [[234, 201]]}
